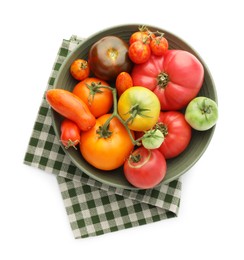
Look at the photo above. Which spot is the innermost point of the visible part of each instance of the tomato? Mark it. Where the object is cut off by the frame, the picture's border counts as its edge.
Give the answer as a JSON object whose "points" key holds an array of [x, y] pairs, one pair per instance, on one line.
{"points": [[123, 82], [108, 57], [177, 133], [145, 168], [72, 107], [142, 36], [139, 108], [99, 100], [106, 148], [202, 113], [175, 78], [159, 45], [139, 52], [79, 69], [70, 134]]}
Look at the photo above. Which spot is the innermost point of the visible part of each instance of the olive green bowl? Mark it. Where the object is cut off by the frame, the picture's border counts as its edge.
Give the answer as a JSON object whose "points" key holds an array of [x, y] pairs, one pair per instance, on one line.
{"points": [[175, 167]]}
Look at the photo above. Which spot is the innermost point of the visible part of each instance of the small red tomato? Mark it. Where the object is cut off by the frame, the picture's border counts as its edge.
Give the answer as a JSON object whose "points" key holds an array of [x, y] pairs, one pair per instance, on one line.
{"points": [[79, 69], [159, 45], [145, 168], [70, 133], [140, 36], [139, 52], [123, 82]]}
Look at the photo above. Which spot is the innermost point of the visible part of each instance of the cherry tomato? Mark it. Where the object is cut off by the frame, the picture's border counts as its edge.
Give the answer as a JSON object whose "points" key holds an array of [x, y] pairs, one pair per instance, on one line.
{"points": [[108, 57], [139, 52], [159, 45], [123, 82], [144, 37], [79, 69], [139, 107], [145, 168], [98, 99], [177, 133], [106, 148], [70, 133]]}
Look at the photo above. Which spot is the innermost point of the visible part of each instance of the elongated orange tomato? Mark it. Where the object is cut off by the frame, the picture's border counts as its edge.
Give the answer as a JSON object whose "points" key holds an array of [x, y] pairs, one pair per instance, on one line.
{"points": [[72, 107]]}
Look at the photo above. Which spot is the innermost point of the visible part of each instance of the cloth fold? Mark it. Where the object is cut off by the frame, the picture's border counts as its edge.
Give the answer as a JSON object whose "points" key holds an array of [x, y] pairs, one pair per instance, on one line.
{"points": [[93, 208]]}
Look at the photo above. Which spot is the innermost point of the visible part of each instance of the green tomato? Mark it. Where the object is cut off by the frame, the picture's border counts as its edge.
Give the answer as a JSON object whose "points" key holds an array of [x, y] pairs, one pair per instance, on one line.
{"points": [[201, 113], [153, 139]]}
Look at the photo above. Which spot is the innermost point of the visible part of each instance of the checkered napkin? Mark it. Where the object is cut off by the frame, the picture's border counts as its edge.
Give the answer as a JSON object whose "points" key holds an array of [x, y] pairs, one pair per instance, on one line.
{"points": [[94, 208]]}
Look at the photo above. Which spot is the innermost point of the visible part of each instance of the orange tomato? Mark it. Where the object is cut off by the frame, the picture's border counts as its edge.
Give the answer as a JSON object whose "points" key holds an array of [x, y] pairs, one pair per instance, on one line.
{"points": [[123, 82], [72, 107], [80, 69], [106, 153], [98, 99]]}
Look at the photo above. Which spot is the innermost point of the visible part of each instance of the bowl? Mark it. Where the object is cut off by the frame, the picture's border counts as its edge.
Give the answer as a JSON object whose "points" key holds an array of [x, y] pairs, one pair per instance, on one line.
{"points": [[176, 166]]}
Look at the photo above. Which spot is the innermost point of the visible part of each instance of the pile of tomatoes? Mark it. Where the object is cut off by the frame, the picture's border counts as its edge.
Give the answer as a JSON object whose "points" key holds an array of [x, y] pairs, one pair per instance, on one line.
{"points": [[126, 108]]}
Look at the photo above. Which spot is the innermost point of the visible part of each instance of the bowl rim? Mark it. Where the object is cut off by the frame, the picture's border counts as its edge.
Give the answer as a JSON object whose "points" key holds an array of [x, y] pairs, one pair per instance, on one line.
{"points": [[76, 49]]}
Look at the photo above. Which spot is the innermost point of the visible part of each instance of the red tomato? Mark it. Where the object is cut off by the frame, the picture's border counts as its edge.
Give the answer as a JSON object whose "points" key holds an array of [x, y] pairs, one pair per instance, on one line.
{"points": [[145, 168], [79, 69], [139, 52], [177, 133], [123, 82], [106, 149], [175, 78], [140, 36], [159, 45], [99, 100], [70, 133]]}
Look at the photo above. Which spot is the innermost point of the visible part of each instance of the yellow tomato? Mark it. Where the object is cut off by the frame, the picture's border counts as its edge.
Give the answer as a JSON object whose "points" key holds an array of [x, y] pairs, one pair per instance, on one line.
{"points": [[139, 107]]}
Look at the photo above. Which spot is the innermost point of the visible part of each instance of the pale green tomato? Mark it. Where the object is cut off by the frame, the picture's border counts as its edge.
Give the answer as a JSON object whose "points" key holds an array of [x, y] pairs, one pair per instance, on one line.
{"points": [[153, 139], [201, 113]]}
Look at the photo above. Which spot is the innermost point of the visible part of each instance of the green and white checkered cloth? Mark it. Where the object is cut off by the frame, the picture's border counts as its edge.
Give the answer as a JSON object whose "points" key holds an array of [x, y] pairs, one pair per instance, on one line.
{"points": [[94, 208]]}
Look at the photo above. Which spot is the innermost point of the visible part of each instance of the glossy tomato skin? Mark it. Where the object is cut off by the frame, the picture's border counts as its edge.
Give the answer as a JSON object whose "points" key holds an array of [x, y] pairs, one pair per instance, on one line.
{"points": [[159, 45], [139, 52], [70, 133], [149, 171], [106, 153], [177, 133], [142, 100], [123, 82], [175, 78], [99, 100], [108, 57], [202, 113], [79, 69], [144, 37]]}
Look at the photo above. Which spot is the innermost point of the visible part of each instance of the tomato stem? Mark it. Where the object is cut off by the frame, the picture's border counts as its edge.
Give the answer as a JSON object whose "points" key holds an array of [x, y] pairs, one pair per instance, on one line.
{"points": [[163, 79]]}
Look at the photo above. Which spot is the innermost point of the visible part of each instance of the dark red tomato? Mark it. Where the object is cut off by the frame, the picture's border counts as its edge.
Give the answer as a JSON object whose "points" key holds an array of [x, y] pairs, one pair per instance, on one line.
{"points": [[177, 133], [108, 57], [175, 78], [145, 168], [139, 52], [70, 133]]}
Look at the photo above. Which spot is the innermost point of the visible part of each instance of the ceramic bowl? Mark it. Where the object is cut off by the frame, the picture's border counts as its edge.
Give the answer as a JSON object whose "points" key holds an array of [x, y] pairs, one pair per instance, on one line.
{"points": [[175, 167]]}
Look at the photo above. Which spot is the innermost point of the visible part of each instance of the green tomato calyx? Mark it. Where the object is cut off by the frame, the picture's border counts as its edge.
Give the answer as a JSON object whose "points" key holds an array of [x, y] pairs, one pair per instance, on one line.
{"points": [[136, 110]]}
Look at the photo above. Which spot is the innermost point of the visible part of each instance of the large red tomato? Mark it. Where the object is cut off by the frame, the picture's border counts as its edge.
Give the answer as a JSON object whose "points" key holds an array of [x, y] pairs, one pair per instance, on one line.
{"points": [[177, 133], [145, 168], [175, 78]]}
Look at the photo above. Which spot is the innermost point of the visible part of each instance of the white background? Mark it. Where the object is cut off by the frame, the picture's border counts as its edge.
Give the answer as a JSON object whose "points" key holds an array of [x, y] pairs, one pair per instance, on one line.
{"points": [[33, 221]]}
